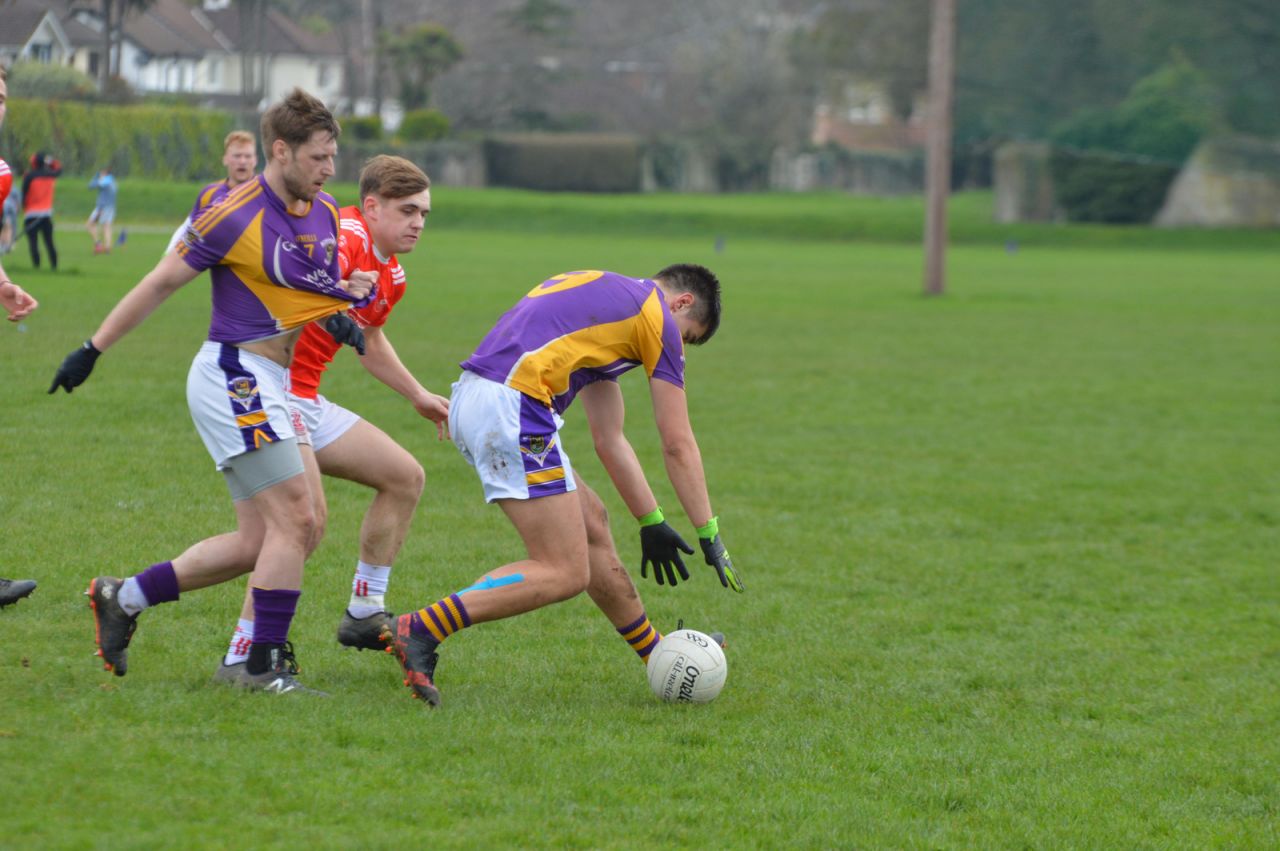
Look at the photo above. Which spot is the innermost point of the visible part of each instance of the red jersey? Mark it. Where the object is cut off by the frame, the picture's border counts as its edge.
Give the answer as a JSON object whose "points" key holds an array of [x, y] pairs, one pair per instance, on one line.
{"points": [[6, 181], [316, 347]]}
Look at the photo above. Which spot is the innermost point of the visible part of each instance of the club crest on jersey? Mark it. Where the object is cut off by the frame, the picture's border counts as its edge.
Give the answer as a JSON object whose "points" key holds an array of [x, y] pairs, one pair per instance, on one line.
{"points": [[191, 237], [243, 390], [538, 447], [330, 246]]}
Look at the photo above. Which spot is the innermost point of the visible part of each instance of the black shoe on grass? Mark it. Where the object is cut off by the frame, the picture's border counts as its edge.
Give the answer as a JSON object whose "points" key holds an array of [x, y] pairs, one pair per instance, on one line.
{"points": [[13, 590], [232, 675], [371, 633], [112, 628], [280, 676], [417, 655]]}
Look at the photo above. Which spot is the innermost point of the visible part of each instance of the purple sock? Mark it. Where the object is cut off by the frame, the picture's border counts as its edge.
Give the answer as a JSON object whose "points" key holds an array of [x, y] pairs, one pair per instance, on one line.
{"points": [[272, 613], [158, 583], [417, 626]]}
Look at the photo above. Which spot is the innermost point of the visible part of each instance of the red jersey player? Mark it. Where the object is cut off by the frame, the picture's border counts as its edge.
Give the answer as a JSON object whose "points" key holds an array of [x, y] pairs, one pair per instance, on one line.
{"points": [[395, 199], [13, 298], [15, 301]]}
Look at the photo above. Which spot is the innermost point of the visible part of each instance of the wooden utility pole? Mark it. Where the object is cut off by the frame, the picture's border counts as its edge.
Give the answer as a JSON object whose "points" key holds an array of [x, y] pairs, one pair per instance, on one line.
{"points": [[942, 38]]}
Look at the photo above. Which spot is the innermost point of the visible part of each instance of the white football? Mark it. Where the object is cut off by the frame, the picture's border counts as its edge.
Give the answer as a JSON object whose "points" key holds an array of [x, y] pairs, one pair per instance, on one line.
{"points": [[687, 666]]}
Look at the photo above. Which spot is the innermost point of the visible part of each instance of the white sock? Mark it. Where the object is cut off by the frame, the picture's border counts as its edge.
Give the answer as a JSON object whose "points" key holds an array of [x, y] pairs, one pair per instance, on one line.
{"points": [[131, 598], [367, 589], [241, 639]]}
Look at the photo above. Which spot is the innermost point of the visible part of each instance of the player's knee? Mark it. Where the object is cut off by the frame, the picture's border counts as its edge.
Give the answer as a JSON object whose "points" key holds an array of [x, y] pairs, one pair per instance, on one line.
{"points": [[299, 522], [575, 578], [413, 479], [595, 517], [318, 527]]}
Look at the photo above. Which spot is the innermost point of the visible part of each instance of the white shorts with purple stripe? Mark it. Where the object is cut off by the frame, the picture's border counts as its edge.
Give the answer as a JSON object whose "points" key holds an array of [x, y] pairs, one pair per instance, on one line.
{"points": [[512, 440], [237, 400]]}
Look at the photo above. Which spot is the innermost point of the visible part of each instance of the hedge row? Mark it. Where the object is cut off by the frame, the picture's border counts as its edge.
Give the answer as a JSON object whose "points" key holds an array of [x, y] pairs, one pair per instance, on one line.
{"points": [[568, 162], [1095, 186], [166, 142]]}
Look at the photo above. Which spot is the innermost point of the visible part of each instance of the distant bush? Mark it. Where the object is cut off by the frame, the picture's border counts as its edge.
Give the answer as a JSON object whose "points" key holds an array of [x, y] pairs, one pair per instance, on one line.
{"points": [[38, 80], [1094, 186], [1115, 165], [569, 162], [364, 128], [142, 141], [423, 125]]}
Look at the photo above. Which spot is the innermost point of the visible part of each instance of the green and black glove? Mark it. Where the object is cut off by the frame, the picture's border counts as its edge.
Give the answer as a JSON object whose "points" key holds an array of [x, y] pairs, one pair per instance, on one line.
{"points": [[662, 545], [717, 556]]}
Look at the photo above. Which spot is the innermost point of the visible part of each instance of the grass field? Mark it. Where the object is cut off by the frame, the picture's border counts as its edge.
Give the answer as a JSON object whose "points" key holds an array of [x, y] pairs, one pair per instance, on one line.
{"points": [[1010, 557]]}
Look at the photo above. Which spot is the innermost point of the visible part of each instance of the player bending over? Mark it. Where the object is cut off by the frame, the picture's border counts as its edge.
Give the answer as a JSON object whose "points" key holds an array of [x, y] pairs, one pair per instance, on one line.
{"points": [[271, 251], [395, 198], [573, 335]]}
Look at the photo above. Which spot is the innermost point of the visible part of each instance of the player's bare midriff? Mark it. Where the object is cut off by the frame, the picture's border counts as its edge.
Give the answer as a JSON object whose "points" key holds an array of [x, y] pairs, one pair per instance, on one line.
{"points": [[278, 349]]}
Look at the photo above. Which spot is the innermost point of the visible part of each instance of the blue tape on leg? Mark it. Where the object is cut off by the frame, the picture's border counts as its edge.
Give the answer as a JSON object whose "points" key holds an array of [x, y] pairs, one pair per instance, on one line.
{"points": [[489, 582]]}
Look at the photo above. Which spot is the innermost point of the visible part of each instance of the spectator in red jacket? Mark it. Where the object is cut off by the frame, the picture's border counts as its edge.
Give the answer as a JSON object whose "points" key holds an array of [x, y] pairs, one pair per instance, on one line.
{"points": [[37, 203]]}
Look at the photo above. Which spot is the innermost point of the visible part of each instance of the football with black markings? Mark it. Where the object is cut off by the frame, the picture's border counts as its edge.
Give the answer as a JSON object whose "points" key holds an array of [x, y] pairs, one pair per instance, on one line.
{"points": [[687, 666]]}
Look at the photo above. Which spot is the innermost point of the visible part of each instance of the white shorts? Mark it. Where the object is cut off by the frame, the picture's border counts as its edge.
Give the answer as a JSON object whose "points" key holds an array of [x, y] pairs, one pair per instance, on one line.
{"points": [[237, 400], [319, 422], [512, 440]]}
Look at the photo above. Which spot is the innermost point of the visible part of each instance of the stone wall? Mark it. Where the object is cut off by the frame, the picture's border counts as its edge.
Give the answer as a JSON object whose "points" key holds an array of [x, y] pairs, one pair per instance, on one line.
{"points": [[1023, 184], [1230, 181], [859, 172]]}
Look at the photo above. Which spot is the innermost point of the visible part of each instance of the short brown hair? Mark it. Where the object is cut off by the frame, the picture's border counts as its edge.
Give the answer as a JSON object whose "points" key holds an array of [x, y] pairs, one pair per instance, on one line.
{"points": [[392, 177], [295, 119], [702, 282], [4, 72], [237, 137]]}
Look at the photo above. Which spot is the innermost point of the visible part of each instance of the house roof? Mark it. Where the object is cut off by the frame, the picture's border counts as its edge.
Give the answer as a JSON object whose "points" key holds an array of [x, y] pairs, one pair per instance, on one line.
{"points": [[21, 17], [176, 28], [81, 35], [281, 35], [169, 28]]}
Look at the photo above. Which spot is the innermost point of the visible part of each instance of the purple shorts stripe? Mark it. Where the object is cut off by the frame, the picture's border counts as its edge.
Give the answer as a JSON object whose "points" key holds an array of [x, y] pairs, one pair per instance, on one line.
{"points": [[540, 448], [244, 398], [549, 488]]}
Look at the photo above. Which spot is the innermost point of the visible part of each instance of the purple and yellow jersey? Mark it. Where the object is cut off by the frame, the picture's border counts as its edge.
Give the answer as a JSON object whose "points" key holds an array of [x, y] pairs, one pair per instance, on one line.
{"points": [[577, 328], [211, 194], [272, 271]]}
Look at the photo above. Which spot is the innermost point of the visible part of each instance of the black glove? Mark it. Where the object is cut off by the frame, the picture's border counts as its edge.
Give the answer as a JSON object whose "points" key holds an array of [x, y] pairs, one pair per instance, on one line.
{"points": [[75, 368], [718, 557], [661, 545], [345, 330]]}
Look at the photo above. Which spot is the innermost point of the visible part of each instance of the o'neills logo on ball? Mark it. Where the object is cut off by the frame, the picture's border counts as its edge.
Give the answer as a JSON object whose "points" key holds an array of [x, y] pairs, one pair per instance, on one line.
{"points": [[686, 685], [673, 677]]}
